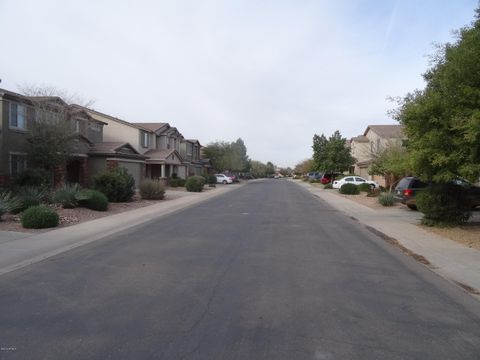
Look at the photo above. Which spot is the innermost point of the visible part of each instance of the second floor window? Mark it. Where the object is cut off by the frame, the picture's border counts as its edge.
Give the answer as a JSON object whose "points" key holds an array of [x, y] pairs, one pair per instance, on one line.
{"points": [[144, 139], [18, 116]]}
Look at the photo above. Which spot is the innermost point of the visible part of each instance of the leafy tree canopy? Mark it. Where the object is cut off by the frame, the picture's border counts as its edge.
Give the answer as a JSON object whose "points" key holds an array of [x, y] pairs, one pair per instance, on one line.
{"points": [[442, 121], [331, 154], [226, 156]]}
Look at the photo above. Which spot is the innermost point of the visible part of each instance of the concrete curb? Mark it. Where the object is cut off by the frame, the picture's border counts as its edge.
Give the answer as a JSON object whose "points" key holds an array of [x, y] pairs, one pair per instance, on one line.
{"points": [[18, 253], [454, 262]]}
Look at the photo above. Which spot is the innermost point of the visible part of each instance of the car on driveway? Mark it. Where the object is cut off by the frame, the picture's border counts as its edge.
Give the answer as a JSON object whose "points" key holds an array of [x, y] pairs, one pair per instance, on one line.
{"points": [[406, 190], [355, 180], [410, 186], [223, 179]]}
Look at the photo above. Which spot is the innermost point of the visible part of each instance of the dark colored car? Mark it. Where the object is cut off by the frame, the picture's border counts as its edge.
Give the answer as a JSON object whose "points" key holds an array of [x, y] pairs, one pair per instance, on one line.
{"points": [[408, 188]]}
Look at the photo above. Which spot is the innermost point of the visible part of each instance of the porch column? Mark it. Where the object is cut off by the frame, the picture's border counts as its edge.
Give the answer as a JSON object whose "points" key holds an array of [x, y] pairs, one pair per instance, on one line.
{"points": [[163, 171]]}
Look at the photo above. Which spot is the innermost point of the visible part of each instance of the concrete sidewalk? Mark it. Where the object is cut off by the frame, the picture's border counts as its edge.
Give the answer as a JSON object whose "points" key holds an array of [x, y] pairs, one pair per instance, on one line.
{"points": [[21, 249], [451, 260]]}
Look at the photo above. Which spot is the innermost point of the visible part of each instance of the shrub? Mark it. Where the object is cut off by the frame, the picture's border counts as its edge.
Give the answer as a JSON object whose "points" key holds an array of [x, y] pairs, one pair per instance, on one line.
{"points": [[5, 202], [177, 182], [117, 185], [349, 189], [152, 190], [92, 199], [39, 217], [386, 199], [28, 196], [212, 179], [195, 183], [364, 187], [314, 181], [328, 186], [34, 177], [443, 205], [67, 196]]}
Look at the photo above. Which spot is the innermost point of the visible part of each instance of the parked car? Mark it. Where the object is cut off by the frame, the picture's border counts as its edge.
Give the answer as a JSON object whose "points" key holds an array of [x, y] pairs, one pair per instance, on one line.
{"points": [[406, 190], [410, 186], [355, 180], [327, 178], [223, 179], [314, 176]]}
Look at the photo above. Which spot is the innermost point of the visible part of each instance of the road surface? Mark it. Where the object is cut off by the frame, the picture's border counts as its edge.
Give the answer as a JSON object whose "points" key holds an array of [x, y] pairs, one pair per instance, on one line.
{"points": [[264, 272]]}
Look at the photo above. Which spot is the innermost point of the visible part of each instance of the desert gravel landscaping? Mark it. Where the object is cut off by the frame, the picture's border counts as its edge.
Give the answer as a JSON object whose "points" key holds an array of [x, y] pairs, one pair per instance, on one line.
{"points": [[468, 234], [78, 215]]}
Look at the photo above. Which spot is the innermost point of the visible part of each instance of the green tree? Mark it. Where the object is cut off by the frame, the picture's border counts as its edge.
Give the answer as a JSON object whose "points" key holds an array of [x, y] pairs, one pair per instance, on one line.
{"points": [[332, 154], [442, 121], [258, 169], [392, 163], [227, 156], [270, 168]]}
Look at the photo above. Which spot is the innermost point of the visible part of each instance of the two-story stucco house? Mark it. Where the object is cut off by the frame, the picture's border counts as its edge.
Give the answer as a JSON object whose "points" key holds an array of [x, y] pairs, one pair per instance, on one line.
{"points": [[190, 151], [164, 160], [18, 113], [366, 147]]}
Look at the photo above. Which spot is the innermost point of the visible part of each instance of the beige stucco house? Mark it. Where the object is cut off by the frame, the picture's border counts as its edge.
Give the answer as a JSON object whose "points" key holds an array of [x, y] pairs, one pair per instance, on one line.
{"points": [[90, 153], [366, 147]]}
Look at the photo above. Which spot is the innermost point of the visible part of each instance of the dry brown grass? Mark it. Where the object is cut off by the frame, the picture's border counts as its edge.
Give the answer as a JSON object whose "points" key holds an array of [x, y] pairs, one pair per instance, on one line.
{"points": [[468, 234]]}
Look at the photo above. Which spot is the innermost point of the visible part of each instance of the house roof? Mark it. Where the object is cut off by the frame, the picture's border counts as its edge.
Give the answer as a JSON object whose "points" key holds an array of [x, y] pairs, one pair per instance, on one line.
{"points": [[360, 139], [115, 148], [102, 117], [163, 156], [152, 126], [386, 131]]}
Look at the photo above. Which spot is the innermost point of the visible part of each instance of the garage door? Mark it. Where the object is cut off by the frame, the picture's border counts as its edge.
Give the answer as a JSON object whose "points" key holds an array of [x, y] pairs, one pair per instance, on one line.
{"points": [[135, 169]]}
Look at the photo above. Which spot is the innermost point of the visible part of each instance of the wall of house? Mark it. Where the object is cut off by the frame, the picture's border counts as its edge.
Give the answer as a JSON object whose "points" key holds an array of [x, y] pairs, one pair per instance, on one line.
{"points": [[96, 165], [12, 140], [360, 151], [116, 131]]}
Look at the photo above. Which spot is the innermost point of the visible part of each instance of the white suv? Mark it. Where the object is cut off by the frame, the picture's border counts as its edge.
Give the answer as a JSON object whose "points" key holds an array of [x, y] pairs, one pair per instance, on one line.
{"points": [[223, 179]]}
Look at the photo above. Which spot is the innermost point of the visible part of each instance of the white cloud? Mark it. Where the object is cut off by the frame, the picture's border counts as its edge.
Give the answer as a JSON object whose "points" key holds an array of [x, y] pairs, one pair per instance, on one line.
{"points": [[271, 72]]}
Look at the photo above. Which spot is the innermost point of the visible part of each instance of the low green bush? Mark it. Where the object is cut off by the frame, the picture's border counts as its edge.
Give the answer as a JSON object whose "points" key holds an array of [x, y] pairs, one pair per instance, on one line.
{"points": [[117, 185], [328, 186], [29, 196], [34, 177], [386, 199], [195, 183], [177, 182], [92, 199], [364, 187], [6, 200], [212, 179], [67, 196], [152, 190], [39, 217], [349, 189], [443, 205]]}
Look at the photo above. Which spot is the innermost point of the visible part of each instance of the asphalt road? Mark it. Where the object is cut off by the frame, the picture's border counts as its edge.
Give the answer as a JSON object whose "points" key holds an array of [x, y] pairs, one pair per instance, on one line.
{"points": [[264, 272]]}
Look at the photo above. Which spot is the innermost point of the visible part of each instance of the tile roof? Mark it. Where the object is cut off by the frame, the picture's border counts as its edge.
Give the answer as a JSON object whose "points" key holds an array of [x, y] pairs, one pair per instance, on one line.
{"points": [[163, 155], [151, 126], [360, 139], [116, 148], [386, 131]]}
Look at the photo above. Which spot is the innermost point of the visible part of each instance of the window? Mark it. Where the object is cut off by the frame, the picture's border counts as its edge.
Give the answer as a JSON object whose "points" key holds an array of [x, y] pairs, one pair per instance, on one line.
{"points": [[18, 115], [18, 163], [349, 179], [144, 139], [77, 126], [359, 179]]}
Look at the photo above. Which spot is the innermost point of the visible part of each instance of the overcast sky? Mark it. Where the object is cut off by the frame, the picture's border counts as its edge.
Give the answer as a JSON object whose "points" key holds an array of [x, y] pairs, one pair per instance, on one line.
{"points": [[271, 72]]}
